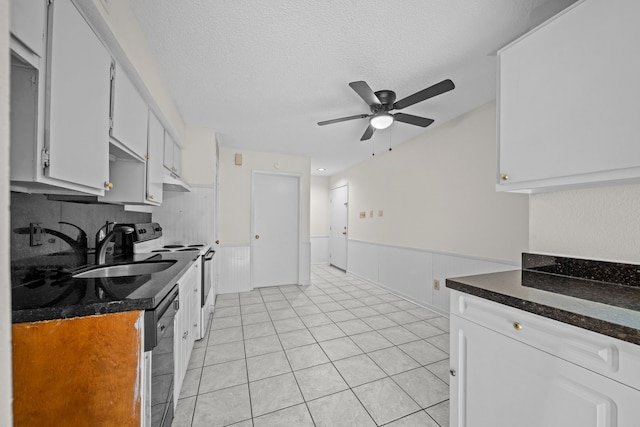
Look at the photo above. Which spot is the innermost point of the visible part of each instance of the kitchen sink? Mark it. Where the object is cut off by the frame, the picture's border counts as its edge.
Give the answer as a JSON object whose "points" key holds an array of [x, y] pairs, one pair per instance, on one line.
{"points": [[120, 270]]}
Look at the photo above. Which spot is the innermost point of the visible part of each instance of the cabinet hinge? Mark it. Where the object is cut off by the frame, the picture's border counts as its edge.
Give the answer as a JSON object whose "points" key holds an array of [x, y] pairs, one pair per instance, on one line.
{"points": [[110, 124], [113, 70], [34, 82], [45, 158]]}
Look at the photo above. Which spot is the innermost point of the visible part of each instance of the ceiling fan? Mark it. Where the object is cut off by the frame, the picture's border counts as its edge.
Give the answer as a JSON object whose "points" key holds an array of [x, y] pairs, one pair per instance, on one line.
{"points": [[384, 101]]}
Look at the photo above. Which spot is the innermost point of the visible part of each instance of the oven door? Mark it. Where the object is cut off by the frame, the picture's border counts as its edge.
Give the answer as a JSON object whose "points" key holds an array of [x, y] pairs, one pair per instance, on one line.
{"points": [[207, 282], [162, 363]]}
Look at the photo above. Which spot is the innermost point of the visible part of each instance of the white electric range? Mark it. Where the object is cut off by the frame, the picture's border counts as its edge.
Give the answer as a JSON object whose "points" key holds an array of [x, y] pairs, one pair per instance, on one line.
{"points": [[148, 239]]}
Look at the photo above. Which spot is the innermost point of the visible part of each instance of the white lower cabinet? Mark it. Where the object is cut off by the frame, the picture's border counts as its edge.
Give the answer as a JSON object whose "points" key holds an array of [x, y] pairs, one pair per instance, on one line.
{"points": [[185, 335], [501, 381]]}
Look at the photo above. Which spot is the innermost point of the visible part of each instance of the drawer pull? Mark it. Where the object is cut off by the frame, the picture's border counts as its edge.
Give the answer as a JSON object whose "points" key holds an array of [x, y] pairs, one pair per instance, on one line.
{"points": [[517, 326]]}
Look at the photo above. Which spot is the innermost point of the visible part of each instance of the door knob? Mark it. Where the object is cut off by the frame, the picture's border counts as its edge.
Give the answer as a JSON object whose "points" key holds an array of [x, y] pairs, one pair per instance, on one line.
{"points": [[257, 236]]}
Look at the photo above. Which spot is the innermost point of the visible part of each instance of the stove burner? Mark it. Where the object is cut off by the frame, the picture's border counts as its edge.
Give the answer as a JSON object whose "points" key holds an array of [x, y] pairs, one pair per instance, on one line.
{"points": [[188, 250], [173, 246]]}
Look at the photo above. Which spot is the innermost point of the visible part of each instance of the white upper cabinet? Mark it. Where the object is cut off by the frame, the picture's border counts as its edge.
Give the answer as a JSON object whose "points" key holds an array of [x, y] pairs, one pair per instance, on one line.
{"points": [[172, 154], [128, 113], [27, 23], [78, 80], [155, 152], [568, 101]]}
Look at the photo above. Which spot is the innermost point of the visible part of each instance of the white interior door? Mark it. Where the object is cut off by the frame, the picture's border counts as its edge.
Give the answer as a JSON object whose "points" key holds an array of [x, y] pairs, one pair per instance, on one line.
{"points": [[338, 236], [275, 219]]}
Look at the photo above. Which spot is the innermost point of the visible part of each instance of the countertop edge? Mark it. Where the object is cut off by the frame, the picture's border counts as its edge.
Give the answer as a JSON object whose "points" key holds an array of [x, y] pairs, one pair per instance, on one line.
{"points": [[603, 327]]}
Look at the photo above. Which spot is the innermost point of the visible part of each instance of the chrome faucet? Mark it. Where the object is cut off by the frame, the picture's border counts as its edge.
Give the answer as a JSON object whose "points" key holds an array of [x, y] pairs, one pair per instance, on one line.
{"points": [[104, 236]]}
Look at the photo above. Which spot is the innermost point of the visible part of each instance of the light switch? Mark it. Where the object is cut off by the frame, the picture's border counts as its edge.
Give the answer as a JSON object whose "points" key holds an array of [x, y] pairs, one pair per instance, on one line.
{"points": [[363, 214], [238, 159], [380, 213]]}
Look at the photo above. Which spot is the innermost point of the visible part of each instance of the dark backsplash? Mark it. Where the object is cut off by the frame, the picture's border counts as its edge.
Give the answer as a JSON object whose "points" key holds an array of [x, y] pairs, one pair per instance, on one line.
{"points": [[54, 253]]}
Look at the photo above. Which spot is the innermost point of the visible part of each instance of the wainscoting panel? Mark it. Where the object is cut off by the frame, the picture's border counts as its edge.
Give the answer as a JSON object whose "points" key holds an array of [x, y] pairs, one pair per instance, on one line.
{"points": [[411, 273], [406, 271], [362, 259], [234, 268], [304, 264], [449, 266], [320, 250]]}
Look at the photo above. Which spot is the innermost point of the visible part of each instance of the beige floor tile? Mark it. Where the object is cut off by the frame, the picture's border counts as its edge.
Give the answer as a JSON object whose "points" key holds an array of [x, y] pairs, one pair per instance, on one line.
{"points": [[296, 338], [371, 341], [262, 345], [398, 335], [223, 375], [393, 361], [340, 348], [319, 381], [385, 401], [340, 409], [222, 407], [359, 370], [423, 352], [423, 387], [267, 365], [326, 332], [272, 394], [306, 356], [297, 416], [416, 419]]}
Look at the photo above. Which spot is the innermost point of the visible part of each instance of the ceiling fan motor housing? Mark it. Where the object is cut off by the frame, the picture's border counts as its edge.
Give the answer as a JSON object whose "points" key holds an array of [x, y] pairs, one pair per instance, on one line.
{"points": [[387, 98]]}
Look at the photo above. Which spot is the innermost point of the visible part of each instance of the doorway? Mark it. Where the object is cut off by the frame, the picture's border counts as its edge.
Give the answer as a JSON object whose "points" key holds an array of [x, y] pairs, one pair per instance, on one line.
{"points": [[275, 219], [339, 199]]}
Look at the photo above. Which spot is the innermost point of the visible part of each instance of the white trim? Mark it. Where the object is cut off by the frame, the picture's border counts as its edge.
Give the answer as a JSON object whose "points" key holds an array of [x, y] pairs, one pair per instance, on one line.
{"points": [[473, 257]]}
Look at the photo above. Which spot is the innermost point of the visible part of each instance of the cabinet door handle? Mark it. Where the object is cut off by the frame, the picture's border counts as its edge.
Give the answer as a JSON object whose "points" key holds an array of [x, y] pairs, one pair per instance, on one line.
{"points": [[452, 372], [517, 326]]}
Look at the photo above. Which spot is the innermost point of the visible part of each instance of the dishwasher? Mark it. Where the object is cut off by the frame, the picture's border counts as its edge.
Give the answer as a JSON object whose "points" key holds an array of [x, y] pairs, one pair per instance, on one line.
{"points": [[159, 362]]}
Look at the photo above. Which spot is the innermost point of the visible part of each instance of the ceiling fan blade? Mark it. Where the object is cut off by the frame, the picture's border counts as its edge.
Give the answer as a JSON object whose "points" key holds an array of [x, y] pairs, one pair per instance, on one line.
{"points": [[368, 133], [412, 120], [343, 119], [430, 92], [365, 92]]}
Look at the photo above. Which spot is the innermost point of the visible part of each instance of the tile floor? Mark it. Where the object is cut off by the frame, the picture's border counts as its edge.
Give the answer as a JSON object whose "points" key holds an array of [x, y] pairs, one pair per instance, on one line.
{"points": [[340, 352]]}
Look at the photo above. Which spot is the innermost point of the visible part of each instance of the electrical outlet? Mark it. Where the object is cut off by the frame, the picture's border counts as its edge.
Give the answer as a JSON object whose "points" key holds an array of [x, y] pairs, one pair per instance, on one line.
{"points": [[36, 233], [363, 214], [380, 213], [436, 284]]}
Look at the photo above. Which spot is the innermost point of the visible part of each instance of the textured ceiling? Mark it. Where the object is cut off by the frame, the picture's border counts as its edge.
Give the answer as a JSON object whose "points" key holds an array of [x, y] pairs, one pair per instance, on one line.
{"points": [[263, 73]]}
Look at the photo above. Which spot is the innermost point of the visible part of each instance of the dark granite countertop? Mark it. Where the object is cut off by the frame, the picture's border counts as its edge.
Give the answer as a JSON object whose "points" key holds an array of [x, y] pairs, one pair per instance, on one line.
{"points": [[599, 296], [57, 295]]}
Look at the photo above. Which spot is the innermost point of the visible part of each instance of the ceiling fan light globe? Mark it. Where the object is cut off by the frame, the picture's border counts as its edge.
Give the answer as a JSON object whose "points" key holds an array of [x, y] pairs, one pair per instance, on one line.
{"points": [[381, 121]]}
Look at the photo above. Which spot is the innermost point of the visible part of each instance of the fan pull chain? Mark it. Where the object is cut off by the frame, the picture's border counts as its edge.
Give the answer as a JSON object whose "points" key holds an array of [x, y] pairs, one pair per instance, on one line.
{"points": [[390, 132]]}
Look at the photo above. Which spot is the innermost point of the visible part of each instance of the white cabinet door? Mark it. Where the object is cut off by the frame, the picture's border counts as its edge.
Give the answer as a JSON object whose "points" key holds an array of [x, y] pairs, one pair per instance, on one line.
{"points": [[155, 152], [27, 23], [177, 160], [568, 99], [501, 382], [196, 282], [185, 335], [128, 113], [168, 151], [172, 155], [78, 101]]}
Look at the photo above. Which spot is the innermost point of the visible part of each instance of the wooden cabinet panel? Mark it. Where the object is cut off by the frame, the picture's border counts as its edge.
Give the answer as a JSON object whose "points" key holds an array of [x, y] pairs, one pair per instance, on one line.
{"points": [[78, 102], [82, 371]]}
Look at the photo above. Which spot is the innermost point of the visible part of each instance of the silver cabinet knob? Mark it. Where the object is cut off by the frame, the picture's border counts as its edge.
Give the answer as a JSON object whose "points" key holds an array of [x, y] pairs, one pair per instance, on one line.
{"points": [[452, 372]]}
